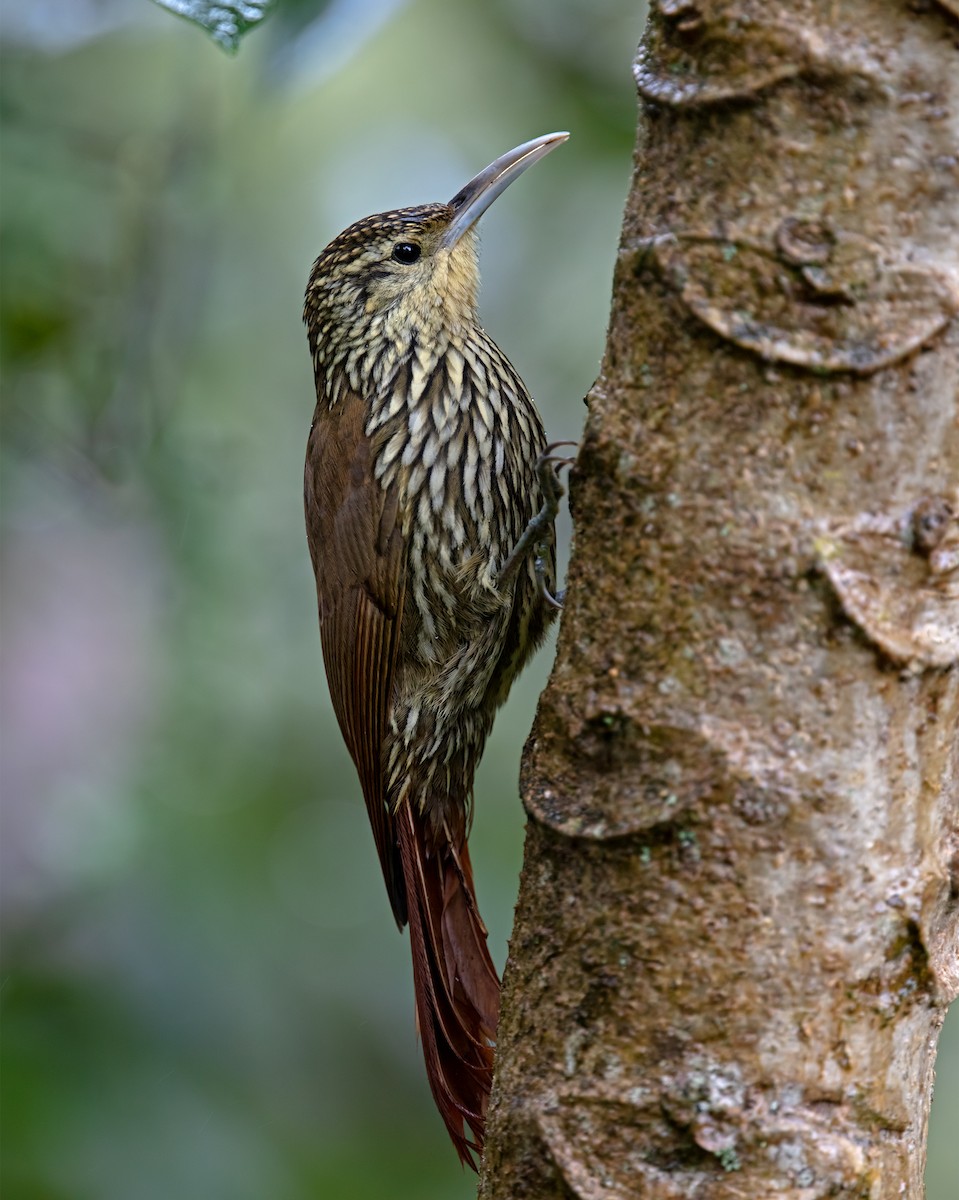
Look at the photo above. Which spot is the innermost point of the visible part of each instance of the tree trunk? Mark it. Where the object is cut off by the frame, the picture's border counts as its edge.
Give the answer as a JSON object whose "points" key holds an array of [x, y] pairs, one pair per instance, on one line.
{"points": [[736, 934]]}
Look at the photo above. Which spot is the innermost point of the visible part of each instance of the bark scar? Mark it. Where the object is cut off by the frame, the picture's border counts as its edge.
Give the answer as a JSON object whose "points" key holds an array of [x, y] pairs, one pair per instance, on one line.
{"points": [[715, 56], [706, 1132], [817, 298], [897, 578]]}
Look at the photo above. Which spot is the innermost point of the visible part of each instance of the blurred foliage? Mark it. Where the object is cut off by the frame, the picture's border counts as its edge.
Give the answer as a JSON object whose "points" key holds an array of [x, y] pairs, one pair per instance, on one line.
{"points": [[204, 994], [226, 23]]}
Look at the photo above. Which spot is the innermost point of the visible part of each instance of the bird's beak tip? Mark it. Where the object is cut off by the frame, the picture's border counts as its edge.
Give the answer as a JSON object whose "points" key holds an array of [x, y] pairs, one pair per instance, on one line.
{"points": [[472, 201]]}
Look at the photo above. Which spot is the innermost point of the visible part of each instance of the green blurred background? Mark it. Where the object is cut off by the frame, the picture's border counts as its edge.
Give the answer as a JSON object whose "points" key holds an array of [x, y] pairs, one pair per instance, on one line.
{"points": [[204, 995]]}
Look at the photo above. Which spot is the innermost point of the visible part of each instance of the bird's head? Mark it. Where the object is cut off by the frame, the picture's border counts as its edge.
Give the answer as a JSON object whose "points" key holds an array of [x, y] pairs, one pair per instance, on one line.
{"points": [[412, 271]]}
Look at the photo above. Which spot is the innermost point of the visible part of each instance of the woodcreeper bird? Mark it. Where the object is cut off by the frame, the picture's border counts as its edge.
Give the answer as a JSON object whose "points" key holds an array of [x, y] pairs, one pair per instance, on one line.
{"points": [[429, 519]]}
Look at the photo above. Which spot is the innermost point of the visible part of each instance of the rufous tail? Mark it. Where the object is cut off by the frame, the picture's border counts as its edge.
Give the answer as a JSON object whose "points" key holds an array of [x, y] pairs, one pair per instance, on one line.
{"points": [[456, 985]]}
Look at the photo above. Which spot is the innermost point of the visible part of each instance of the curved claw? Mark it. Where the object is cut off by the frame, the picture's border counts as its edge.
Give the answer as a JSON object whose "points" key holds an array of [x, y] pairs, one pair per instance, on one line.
{"points": [[548, 466], [539, 569]]}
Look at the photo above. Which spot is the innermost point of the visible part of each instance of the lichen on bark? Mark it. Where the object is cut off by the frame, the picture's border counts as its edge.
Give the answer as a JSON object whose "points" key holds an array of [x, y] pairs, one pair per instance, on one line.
{"points": [[736, 935]]}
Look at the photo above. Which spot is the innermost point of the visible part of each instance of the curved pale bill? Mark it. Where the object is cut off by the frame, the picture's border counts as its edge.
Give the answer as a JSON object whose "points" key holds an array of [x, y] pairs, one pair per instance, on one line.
{"points": [[473, 200]]}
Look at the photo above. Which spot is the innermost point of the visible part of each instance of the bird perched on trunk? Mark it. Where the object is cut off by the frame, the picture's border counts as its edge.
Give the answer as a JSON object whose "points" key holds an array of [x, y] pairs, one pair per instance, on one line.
{"points": [[429, 519]]}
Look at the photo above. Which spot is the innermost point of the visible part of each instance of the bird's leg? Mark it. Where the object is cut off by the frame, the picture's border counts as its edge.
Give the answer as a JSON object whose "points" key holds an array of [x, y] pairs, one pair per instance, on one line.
{"points": [[533, 537]]}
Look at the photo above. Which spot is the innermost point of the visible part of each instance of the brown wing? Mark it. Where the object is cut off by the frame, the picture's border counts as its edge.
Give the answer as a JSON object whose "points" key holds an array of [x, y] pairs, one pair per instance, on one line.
{"points": [[358, 557]]}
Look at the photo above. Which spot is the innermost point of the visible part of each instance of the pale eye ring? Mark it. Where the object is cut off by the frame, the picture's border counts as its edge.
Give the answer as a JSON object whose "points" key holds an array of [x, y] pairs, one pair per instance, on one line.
{"points": [[406, 252]]}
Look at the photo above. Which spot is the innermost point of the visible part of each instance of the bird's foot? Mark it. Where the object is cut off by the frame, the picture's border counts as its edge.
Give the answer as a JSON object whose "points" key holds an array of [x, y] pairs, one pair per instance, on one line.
{"points": [[534, 536]]}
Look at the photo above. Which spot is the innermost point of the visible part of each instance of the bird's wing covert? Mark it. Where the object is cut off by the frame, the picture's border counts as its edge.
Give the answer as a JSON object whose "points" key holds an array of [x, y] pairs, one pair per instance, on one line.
{"points": [[358, 556]]}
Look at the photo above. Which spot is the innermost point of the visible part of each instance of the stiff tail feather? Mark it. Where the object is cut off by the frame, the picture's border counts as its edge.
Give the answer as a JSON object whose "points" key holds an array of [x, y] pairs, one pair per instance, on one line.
{"points": [[456, 985]]}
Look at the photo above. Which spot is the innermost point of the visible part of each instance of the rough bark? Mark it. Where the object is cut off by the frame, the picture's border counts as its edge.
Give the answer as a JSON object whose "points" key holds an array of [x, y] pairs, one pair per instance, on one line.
{"points": [[736, 935]]}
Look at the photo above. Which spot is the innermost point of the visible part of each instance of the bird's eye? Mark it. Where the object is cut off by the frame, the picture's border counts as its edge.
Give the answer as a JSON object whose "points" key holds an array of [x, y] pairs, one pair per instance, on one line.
{"points": [[406, 252]]}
